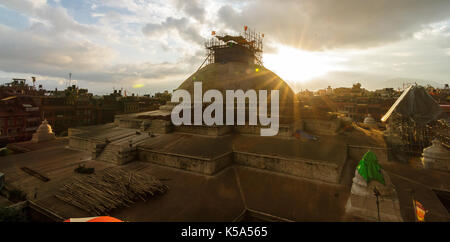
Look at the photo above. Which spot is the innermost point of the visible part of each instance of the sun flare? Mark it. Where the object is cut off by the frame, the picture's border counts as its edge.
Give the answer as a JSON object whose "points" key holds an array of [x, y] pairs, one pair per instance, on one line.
{"points": [[295, 65]]}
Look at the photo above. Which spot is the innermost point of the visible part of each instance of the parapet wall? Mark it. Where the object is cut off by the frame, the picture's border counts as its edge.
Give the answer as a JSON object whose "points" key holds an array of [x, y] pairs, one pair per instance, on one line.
{"points": [[316, 170], [204, 130], [356, 152], [283, 130], [128, 123], [79, 143], [323, 171], [195, 164], [156, 126], [322, 127]]}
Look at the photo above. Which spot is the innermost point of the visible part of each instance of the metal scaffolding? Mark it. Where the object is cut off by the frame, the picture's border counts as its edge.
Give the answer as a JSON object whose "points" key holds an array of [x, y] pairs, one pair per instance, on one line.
{"points": [[249, 39]]}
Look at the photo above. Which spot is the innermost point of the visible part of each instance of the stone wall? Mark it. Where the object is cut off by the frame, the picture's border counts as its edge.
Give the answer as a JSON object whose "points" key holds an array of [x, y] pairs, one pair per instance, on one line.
{"points": [[194, 164], [324, 171], [128, 123], [204, 130], [80, 143], [157, 126], [74, 131], [317, 170], [283, 130], [116, 154], [357, 152], [322, 127]]}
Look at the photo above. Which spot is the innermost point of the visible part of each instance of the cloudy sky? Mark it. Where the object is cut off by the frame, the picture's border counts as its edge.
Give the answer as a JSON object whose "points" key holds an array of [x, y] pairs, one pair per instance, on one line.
{"points": [[146, 46]]}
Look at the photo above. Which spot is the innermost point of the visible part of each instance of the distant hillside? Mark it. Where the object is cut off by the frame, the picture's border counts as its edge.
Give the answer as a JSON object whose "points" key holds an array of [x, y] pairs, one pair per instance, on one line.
{"points": [[373, 84], [398, 83]]}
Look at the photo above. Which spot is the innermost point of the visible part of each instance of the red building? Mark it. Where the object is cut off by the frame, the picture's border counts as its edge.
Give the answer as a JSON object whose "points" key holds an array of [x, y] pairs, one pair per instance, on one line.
{"points": [[23, 107], [19, 119]]}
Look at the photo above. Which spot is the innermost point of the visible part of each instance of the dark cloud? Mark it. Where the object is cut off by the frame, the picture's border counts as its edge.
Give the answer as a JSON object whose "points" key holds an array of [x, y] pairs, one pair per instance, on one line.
{"points": [[329, 24]]}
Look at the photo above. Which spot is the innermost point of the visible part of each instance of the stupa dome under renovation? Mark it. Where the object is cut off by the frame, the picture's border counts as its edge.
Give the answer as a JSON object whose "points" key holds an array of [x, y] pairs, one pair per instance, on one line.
{"points": [[235, 63], [237, 75]]}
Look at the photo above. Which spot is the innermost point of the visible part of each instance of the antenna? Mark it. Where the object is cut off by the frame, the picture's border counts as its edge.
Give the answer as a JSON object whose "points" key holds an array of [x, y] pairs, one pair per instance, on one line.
{"points": [[70, 79]]}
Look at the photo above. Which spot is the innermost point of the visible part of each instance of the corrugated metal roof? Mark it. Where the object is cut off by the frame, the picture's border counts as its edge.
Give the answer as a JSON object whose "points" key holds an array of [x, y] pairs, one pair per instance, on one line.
{"points": [[8, 98], [391, 110]]}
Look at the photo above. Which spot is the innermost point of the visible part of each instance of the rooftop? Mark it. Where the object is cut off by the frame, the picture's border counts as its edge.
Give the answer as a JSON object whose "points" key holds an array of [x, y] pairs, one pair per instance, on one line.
{"points": [[226, 195]]}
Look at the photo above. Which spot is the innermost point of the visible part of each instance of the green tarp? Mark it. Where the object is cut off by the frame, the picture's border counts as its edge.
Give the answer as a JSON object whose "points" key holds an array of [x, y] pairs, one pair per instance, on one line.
{"points": [[369, 168]]}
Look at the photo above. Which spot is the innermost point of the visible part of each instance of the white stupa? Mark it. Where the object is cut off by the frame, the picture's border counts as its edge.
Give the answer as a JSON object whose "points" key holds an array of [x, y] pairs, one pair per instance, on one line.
{"points": [[43, 133], [369, 120], [362, 201], [436, 156]]}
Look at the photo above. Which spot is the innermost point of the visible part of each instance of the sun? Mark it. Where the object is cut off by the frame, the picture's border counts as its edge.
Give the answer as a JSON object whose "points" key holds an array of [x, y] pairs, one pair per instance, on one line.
{"points": [[294, 65]]}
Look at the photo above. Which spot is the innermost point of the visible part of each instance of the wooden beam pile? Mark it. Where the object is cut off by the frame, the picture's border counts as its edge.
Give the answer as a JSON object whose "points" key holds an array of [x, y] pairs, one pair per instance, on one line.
{"points": [[111, 188]]}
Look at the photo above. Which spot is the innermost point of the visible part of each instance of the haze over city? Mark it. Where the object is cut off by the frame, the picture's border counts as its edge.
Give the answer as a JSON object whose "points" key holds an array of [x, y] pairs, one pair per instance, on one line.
{"points": [[150, 46]]}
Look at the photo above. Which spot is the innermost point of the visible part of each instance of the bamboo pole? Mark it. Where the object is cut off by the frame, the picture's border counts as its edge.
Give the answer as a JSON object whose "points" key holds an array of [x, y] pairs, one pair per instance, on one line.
{"points": [[112, 188]]}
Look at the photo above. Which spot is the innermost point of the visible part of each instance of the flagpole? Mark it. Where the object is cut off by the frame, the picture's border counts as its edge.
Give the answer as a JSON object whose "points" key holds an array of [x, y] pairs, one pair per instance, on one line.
{"points": [[414, 204], [377, 194]]}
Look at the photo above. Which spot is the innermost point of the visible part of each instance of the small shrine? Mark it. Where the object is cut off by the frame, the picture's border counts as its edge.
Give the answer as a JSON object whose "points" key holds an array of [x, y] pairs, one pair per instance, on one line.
{"points": [[43, 133], [373, 196], [370, 121]]}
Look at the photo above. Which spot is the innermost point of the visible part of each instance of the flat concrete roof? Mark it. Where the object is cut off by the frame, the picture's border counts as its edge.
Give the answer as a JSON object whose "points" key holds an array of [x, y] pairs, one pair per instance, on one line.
{"points": [[364, 137], [191, 197], [30, 146], [52, 160], [104, 132], [330, 149], [224, 196], [412, 176], [94, 127], [190, 145], [154, 113]]}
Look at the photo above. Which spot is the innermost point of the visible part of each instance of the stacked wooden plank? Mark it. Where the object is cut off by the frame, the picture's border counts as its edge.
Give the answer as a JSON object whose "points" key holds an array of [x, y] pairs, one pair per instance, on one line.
{"points": [[111, 188]]}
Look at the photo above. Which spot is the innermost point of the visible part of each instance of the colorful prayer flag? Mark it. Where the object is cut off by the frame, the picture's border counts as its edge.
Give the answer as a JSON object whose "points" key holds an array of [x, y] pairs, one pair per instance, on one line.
{"points": [[420, 211]]}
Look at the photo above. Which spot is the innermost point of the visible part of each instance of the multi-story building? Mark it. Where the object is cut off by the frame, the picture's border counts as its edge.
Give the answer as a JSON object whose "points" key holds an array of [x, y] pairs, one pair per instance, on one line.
{"points": [[23, 107], [71, 108], [355, 102], [19, 119]]}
